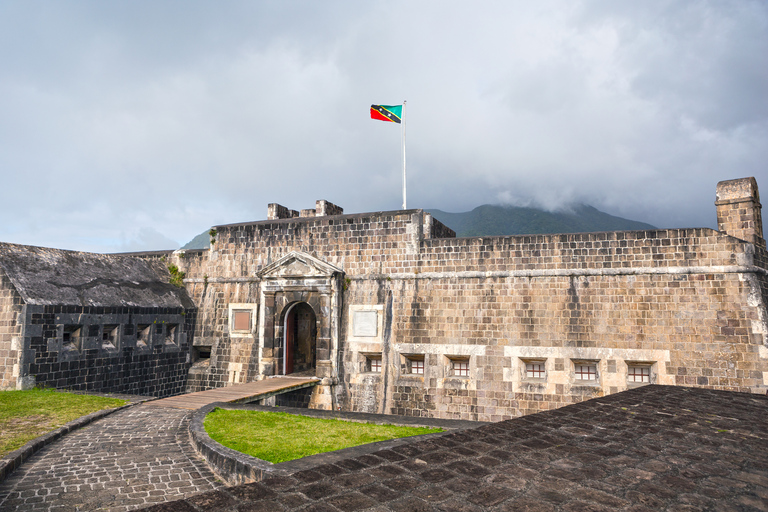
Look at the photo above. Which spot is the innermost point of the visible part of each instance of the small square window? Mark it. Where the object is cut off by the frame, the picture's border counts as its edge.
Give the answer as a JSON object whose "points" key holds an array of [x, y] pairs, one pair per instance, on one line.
{"points": [[241, 320], [535, 370], [639, 374], [412, 364], [585, 371], [460, 367], [374, 364]]}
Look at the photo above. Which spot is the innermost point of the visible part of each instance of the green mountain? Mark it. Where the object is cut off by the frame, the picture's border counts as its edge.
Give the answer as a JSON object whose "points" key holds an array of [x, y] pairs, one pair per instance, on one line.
{"points": [[201, 241], [490, 220]]}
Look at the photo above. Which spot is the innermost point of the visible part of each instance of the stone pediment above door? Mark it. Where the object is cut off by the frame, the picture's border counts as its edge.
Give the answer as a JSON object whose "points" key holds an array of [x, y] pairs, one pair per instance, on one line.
{"points": [[296, 265]]}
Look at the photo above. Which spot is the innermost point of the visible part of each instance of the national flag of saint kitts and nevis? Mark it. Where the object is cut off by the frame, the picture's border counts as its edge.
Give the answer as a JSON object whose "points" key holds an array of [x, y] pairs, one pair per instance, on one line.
{"points": [[389, 113]]}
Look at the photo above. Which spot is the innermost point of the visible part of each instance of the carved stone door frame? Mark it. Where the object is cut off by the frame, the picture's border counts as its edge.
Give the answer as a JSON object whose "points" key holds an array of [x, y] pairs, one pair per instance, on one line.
{"points": [[299, 277]]}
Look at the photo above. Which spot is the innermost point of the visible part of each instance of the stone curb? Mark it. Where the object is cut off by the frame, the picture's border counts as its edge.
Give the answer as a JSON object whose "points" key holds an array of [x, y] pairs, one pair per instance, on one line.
{"points": [[13, 460], [237, 468]]}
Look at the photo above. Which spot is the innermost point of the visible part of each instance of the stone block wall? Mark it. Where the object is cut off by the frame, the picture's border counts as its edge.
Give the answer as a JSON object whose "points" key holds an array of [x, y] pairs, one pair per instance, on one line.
{"points": [[688, 305], [143, 351], [739, 210], [489, 328], [11, 305]]}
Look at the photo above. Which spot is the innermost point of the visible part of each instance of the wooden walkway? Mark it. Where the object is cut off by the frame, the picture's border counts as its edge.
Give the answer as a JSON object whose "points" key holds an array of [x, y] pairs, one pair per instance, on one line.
{"points": [[241, 393]]}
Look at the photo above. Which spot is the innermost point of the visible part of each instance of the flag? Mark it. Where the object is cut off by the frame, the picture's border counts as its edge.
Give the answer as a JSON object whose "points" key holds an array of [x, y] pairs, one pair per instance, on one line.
{"points": [[389, 113]]}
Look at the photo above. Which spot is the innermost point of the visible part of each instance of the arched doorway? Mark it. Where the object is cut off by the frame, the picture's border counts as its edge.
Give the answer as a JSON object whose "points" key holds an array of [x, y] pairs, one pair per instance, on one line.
{"points": [[300, 347]]}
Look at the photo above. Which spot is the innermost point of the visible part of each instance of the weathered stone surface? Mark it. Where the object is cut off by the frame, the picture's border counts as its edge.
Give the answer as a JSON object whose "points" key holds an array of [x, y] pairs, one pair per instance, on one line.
{"points": [[710, 450], [125, 461]]}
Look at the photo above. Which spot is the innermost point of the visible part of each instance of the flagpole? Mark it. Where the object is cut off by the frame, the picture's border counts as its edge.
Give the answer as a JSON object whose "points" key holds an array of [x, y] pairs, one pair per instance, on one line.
{"points": [[404, 203]]}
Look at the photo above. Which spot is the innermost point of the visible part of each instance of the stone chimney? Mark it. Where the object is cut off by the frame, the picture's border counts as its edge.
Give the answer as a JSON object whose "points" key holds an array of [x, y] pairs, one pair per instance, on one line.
{"points": [[738, 210]]}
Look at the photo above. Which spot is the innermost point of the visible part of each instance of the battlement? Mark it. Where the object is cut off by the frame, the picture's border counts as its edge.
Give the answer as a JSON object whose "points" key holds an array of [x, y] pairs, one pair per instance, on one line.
{"points": [[739, 210], [322, 208]]}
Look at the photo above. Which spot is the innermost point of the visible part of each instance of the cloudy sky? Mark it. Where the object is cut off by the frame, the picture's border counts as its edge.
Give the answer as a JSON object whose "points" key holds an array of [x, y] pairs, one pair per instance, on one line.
{"points": [[135, 125]]}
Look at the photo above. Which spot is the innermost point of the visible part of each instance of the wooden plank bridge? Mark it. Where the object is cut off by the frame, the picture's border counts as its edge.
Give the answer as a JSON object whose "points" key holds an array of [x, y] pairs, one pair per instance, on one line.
{"points": [[240, 393]]}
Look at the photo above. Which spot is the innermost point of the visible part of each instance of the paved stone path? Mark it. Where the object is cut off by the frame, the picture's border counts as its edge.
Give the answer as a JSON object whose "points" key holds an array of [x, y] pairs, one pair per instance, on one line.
{"points": [[128, 460]]}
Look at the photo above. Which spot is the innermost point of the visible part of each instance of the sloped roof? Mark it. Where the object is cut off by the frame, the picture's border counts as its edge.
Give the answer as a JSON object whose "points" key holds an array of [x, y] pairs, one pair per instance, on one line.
{"points": [[47, 276], [650, 448]]}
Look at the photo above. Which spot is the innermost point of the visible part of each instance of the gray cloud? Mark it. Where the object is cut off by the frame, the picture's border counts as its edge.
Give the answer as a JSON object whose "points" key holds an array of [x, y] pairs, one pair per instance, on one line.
{"points": [[173, 116]]}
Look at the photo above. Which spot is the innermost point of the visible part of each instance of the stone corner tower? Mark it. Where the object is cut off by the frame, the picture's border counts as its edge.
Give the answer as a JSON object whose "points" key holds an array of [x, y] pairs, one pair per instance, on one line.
{"points": [[738, 210]]}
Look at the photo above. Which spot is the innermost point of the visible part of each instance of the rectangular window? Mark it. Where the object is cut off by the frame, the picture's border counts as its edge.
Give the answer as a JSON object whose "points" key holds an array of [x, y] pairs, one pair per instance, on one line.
{"points": [[535, 370], [585, 371], [241, 320], [639, 374], [460, 367], [417, 366], [374, 364]]}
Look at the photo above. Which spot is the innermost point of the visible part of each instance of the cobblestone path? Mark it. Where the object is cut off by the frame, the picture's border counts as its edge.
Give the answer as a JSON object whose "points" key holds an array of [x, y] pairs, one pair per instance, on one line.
{"points": [[125, 461]]}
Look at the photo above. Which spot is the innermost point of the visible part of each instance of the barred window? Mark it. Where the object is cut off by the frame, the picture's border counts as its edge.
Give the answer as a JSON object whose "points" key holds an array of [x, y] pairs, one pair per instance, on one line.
{"points": [[586, 371], [534, 370], [417, 366], [374, 364], [460, 367], [639, 374]]}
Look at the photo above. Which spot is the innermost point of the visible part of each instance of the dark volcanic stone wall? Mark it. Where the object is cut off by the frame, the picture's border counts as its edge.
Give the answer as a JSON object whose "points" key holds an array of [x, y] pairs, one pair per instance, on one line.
{"points": [[156, 366]]}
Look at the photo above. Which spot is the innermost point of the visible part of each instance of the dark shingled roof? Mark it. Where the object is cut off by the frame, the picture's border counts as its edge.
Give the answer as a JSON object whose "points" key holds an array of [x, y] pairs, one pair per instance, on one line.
{"points": [[648, 449], [56, 277]]}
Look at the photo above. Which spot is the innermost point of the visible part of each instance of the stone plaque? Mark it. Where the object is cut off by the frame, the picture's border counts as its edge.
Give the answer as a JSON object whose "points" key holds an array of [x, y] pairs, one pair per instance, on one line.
{"points": [[365, 324]]}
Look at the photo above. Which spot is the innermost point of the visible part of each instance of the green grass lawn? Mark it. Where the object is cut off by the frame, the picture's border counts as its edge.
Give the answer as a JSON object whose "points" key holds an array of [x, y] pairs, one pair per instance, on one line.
{"points": [[279, 437], [25, 415]]}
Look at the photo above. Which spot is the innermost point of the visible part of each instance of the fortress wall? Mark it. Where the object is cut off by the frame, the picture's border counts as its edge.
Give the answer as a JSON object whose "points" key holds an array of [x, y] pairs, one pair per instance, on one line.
{"points": [[583, 251], [677, 300], [689, 304], [11, 306], [693, 329], [383, 242], [233, 360], [150, 361]]}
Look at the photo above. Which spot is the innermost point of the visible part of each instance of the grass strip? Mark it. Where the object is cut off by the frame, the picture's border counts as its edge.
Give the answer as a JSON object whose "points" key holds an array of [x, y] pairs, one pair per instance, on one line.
{"points": [[280, 437], [25, 415]]}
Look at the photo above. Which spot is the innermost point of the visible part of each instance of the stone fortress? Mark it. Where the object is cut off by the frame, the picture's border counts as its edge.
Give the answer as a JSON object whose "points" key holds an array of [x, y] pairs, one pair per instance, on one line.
{"points": [[396, 315]]}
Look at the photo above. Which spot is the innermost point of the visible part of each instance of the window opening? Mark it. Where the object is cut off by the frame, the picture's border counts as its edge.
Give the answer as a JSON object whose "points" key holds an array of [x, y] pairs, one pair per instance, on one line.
{"points": [[71, 336], [143, 334], [641, 374], [460, 367], [109, 336], [417, 366], [535, 370], [586, 371], [374, 364], [170, 333]]}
